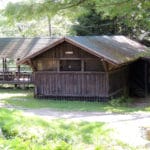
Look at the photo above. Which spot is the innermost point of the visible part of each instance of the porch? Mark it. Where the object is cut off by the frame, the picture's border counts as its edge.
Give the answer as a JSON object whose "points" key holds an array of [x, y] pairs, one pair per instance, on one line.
{"points": [[76, 85], [11, 73], [15, 77]]}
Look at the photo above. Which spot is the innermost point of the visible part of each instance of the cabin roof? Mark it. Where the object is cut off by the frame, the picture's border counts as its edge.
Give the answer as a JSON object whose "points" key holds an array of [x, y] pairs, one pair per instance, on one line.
{"points": [[114, 49], [20, 47]]}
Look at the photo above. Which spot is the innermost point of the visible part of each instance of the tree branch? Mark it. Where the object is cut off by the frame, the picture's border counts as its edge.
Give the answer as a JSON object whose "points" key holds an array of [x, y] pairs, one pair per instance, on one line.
{"points": [[70, 5], [112, 4]]}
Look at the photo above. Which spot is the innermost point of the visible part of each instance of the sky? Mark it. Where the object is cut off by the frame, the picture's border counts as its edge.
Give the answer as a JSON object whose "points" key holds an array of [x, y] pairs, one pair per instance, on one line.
{"points": [[3, 3]]}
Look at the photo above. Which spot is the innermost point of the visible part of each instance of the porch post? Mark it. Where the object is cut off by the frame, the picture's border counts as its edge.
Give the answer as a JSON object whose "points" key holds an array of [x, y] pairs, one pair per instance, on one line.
{"points": [[17, 73], [18, 70], [105, 65], [82, 65], [3, 62]]}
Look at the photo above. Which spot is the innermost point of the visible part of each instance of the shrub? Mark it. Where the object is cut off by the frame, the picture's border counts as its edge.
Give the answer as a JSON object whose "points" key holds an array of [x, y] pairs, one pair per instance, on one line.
{"points": [[122, 101]]}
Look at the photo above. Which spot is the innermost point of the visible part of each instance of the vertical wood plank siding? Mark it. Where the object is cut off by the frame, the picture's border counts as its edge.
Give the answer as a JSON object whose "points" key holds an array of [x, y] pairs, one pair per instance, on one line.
{"points": [[91, 81], [118, 81], [71, 84], [48, 61]]}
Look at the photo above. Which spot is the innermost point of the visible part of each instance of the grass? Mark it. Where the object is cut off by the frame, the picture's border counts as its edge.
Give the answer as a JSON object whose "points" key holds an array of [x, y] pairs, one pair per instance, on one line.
{"points": [[19, 132], [24, 98]]}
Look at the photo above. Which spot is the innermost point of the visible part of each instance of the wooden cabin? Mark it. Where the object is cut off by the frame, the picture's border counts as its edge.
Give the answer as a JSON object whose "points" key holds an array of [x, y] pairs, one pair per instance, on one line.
{"points": [[84, 67]]}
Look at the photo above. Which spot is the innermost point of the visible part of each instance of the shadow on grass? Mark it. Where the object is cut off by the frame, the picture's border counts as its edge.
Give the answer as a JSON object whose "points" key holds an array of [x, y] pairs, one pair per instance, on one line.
{"points": [[24, 98]]}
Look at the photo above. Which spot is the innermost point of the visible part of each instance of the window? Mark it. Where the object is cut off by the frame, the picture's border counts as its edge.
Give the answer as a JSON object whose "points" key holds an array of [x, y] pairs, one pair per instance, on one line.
{"points": [[93, 65], [70, 65], [69, 52], [46, 65]]}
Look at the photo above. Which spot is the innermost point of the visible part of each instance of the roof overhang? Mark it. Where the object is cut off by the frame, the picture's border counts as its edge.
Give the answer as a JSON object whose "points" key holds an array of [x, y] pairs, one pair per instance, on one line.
{"points": [[116, 50], [68, 40]]}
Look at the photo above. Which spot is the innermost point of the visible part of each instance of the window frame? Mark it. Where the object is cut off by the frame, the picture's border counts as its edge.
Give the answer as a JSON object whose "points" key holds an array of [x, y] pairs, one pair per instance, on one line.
{"points": [[71, 69]]}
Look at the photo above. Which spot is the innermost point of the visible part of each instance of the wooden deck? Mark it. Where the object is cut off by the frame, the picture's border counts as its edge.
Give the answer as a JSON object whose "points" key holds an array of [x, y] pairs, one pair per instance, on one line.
{"points": [[18, 78]]}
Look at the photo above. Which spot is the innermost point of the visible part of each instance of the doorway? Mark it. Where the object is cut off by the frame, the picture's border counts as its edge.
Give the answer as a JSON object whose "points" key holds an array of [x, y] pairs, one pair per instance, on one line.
{"points": [[139, 83]]}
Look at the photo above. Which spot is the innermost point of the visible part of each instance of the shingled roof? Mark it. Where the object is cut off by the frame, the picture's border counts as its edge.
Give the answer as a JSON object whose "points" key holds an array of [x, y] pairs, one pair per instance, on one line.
{"points": [[115, 49], [20, 47]]}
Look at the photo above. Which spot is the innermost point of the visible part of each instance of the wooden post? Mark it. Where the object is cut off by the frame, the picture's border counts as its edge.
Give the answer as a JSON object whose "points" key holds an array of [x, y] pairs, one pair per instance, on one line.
{"points": [[18, 73], [4, 69], [6, 65], [49, 26], [58, 66], [105, 65], [32, 65], [82, 65], [107, 83]]}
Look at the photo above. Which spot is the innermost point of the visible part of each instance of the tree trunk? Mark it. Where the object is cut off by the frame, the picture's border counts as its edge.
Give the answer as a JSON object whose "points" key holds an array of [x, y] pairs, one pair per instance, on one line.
{"points": [[49, 26]]}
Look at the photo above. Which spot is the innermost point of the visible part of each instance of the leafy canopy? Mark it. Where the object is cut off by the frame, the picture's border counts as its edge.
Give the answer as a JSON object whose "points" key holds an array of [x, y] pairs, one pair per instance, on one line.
{"points": [[135, 13]]}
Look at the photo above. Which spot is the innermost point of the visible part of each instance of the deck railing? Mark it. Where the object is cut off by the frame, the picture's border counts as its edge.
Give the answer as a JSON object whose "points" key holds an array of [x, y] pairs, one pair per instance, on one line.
{"points": [[15, 77], [71, 84]]}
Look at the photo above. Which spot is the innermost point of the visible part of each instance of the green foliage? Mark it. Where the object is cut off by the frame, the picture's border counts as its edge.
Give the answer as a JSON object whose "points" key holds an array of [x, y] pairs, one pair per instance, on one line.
{"points": [[93, 23], [26, 131], [122, 101], [130, 17], [32, 18], [29, 10], [136, 12], [22, 132], [34, 133], [26, 10]]}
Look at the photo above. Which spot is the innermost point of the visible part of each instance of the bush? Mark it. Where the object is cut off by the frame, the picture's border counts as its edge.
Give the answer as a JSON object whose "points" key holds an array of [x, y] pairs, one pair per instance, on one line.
{"points": [[122, 101]]}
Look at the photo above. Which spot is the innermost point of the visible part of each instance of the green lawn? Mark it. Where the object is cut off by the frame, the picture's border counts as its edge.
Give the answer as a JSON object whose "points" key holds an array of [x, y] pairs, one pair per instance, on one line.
{"points": [[24, 98], [21, 132]]}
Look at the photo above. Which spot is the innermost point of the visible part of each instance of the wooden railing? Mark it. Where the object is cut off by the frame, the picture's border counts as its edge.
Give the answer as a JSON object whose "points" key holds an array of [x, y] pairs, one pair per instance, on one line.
{"points": [[71, 84], [15, 77]]}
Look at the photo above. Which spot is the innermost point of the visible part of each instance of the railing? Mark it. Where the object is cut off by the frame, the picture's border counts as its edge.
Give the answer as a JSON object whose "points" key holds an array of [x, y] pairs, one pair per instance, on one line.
{"points": [[13, 69], [15, 77], [80, 84]]}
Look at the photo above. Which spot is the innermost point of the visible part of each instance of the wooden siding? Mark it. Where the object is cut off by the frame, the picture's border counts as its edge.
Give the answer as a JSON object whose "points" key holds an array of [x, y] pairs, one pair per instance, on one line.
{"points": [[60, 50], [71, 84], [68, 71], [49, 60], [118, 81]]}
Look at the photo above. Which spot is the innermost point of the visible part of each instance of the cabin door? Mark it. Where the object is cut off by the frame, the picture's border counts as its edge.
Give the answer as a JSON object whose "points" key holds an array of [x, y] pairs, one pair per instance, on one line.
{"points": [[138, 78]]}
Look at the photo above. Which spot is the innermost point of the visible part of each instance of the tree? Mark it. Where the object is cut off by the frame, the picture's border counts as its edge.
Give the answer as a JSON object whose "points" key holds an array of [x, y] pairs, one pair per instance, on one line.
{"points": [[133, 13], [93, 23], [125, 17], [33, 10], [136, 13]]}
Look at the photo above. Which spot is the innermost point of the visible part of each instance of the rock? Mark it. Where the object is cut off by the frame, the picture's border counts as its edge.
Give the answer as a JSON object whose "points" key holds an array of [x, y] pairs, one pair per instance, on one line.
{"points": [[147, 146], [146, 132], [1, 133]]}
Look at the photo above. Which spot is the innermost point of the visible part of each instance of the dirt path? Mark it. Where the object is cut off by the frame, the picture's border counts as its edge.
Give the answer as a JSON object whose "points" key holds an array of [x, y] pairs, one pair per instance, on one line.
{"points": [[127, 126]]}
